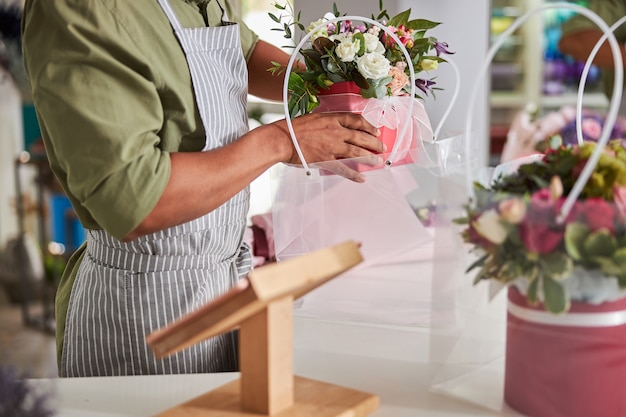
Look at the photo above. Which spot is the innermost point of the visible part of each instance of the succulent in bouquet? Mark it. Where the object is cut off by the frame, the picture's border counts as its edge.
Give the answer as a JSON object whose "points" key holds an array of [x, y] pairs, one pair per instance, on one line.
{"points": [[359, 52], [514, 226]]}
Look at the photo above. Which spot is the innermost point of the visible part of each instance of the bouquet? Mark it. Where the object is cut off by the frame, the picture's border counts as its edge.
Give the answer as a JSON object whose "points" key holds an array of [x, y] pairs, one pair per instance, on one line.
{"points": [[361, 53], [516, 228]]}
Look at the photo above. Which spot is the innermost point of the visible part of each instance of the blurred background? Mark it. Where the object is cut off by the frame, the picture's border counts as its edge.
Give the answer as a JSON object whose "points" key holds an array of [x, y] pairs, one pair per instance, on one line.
{"points": [[38, 229]]}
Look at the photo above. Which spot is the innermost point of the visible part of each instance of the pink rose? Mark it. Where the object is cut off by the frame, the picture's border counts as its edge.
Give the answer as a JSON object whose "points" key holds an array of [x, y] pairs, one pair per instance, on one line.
{"points": [[539, 237], [573, 213], [591, 128], [539, 232], [598, 214], [405, 35], [399, 81], [542, 206]]}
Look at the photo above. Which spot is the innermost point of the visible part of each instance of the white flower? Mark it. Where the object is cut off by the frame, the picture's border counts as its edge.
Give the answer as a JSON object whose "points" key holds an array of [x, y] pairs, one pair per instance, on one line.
{"points": [[488, 225], [347, 49], [338, 37], [321, 32], [373, 66], [429, 64], [372, 44]]}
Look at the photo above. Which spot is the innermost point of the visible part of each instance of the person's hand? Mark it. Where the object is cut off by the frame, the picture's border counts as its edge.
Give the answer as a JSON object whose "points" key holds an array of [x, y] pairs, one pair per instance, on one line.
{"points": [[331, 137]]}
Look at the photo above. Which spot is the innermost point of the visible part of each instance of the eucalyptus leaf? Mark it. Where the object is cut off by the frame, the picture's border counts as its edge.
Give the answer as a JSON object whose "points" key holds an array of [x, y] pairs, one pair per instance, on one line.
{"points": [[274, 18]]}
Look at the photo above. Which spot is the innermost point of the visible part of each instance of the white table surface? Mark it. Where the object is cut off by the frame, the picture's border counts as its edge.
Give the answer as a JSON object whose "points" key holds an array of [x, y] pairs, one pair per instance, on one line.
{"points": [[385, 360], [380, 354]]}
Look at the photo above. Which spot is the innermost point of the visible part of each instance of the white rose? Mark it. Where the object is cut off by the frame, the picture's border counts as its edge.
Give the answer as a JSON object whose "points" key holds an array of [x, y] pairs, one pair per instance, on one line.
{"points": [[372, 44], [347, 49], [373, 66], [321, 32], [338, 37], [488, 225], [429, 64]]}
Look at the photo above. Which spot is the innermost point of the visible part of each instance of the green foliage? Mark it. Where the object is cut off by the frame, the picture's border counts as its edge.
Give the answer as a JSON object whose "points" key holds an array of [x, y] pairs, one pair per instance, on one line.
{"points": [[539, 249], [323, 67]]}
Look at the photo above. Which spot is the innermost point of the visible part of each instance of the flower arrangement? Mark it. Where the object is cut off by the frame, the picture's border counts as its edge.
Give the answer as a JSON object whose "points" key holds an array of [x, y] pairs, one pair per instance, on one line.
{"points": [[530, 134], [362, 53], [514, 227]]}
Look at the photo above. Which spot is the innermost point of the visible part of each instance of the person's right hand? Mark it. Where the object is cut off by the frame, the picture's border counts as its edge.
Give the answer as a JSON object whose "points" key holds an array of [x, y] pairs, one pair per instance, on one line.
{"points": [[333, 136]]}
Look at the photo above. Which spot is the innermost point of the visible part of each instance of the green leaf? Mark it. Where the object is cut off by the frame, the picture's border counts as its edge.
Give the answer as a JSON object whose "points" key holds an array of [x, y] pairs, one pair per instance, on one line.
{"points": [[274, 18], [335, 10], [359, 80], [600, 244], [556, 265], [555, 297], [359, 36], [575, 235], [323, 45], [421, 24], [479, 262], [280, 7], [532, 292], [377, 88], [287, 31], [400, 19]]}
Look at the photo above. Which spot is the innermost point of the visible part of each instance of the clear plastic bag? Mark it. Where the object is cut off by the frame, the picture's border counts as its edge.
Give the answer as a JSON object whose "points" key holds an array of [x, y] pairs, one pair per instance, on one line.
{"points": [[390, 214], [494, 347]]}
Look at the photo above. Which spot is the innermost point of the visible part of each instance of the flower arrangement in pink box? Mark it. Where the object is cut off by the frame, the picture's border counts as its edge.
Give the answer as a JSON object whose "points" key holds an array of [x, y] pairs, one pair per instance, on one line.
{"points": [[360, 53], [514, 228], [566, 276]]}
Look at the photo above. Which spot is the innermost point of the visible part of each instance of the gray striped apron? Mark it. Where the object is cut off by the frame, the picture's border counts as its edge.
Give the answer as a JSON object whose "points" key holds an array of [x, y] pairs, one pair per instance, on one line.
{"points": [[123, 291]]}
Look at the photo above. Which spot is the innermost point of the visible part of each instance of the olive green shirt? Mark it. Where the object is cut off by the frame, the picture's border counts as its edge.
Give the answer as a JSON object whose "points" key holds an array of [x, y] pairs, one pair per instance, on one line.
{"points": [[113, 96], [610, 11]]}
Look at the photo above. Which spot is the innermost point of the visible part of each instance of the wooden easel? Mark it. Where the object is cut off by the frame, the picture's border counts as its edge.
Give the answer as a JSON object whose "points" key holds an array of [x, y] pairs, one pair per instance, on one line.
{"points": [[261, 307]]}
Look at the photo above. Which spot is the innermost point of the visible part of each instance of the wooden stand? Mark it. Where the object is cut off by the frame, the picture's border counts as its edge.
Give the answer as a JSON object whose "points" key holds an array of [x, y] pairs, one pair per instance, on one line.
{"points": [[261, 307]]}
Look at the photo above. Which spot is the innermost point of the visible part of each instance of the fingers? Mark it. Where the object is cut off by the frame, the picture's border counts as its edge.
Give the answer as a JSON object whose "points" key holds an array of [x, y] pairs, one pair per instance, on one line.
{"points": [[339, 168], [356, 122]]}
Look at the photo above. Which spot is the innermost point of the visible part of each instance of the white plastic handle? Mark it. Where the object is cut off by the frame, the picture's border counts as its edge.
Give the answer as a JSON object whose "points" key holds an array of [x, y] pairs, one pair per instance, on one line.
{"points": [[608, 123], [292, 59], [455, 95], [613, 106]]}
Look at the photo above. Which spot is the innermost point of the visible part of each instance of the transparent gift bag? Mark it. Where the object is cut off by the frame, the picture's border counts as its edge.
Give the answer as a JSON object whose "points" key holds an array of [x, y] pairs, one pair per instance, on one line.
{"points": [[388, 214], [547, 338]]}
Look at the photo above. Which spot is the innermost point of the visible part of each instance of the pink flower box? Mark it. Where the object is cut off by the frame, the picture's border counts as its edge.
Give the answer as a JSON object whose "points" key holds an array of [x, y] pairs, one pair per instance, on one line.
{"points": [[570, 365], [346, 97]]}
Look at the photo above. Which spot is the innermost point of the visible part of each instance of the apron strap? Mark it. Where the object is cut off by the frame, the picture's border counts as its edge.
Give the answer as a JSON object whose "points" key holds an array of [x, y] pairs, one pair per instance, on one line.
{"points": [[167, 8], [171, 16]]}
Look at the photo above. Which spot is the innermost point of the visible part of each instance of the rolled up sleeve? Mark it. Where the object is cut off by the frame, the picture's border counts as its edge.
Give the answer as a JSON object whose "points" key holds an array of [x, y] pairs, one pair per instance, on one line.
{"points": [[99, 112]]}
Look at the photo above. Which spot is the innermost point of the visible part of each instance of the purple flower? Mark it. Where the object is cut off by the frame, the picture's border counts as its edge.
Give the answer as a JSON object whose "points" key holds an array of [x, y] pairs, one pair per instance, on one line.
{"points": [[346, 26], [592, 125], [424, 85], [442, 48]]}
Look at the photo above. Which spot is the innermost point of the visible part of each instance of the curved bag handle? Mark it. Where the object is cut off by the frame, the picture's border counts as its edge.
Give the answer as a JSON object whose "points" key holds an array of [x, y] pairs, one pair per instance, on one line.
{"points": [[455, 96], [613, 105], [290, 66]]}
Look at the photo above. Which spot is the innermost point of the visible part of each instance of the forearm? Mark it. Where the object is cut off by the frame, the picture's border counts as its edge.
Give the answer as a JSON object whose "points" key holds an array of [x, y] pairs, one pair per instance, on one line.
{"points": [[202, 181], [261, 82]]}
